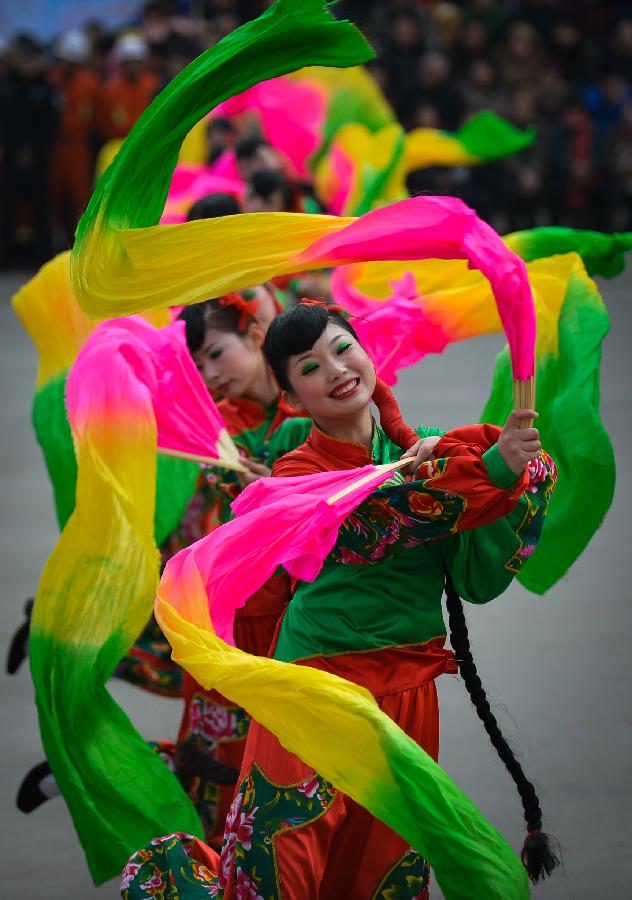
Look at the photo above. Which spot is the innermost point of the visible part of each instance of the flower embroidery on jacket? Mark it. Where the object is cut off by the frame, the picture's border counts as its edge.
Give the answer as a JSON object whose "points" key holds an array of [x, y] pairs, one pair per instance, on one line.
{"points": [[309, 787], [155, 886], [129, 873], [542, 479], [167, 837], [396, 518], [424, 504], [537, 474], [165, 869], [203, 873]]}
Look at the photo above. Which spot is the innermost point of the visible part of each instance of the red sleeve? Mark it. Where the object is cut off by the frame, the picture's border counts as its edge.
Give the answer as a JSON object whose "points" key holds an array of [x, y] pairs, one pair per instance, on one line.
{"points": [[465, 476], [296, 463], [469, 440]]}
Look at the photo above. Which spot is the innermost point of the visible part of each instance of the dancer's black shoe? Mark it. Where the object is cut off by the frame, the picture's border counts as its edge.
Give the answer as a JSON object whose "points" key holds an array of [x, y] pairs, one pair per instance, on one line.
{"points": [[30, 794], [18, 648]]}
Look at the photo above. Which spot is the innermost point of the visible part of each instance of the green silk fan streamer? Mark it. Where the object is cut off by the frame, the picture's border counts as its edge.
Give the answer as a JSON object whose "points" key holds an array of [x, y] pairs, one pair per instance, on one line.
{"points": [[487, 136], [568, 358], [603, 254]]}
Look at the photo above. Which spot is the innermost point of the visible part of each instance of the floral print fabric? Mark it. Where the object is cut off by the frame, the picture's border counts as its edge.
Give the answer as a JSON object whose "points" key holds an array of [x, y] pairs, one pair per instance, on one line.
{"points": [[166, 870], [395, 517], [542, 481]]}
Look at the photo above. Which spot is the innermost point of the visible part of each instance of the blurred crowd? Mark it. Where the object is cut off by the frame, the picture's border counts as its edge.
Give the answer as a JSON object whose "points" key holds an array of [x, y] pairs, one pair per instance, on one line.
{"points": [[563, 66]]}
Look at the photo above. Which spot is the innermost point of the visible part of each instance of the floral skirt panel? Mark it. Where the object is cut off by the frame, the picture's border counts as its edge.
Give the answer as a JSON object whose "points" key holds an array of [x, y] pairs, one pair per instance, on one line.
{"points": [[307, 841], [174, 867], [256, 865]]}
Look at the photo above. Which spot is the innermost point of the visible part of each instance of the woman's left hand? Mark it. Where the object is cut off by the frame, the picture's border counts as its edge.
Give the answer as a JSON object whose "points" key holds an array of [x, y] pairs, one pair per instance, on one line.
{"points": [[420, 452]]}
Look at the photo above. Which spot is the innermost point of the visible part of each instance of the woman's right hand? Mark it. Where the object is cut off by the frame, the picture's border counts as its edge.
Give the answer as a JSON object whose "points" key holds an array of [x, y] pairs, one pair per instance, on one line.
{"points": [[255, 472], [420, 452], [518, 446]]}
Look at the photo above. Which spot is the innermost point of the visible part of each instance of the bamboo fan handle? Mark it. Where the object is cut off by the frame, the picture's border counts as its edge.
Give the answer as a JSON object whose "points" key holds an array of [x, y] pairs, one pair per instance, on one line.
{"points": [[524, 397], [204, 460], [387, 467]]}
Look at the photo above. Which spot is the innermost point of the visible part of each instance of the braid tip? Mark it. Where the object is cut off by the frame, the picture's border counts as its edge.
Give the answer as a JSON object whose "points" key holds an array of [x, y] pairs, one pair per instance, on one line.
{"points": [[538, 856]]}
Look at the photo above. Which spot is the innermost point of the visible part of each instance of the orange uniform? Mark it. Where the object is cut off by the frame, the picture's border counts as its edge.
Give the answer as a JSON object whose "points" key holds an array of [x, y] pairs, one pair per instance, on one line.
{"points": [[72, 163], [121, 101]]}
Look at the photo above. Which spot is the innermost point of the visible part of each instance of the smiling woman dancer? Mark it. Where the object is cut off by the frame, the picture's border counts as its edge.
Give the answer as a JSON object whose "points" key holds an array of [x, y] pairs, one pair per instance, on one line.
{"points": [[468, 521]]}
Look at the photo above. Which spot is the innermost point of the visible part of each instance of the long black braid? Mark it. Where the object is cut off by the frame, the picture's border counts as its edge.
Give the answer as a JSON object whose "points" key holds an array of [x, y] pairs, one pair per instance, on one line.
{"points": [[537, 854]]}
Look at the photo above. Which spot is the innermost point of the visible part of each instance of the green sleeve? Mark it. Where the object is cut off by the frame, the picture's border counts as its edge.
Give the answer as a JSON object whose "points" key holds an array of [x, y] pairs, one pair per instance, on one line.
{"points": [[222, 485], [484, 562], [288, 436], [497, 469]]}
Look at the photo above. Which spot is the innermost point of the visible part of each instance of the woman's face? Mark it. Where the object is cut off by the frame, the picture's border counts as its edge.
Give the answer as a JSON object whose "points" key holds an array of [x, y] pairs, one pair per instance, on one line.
{"points": [[230, 364], [335, 379]]}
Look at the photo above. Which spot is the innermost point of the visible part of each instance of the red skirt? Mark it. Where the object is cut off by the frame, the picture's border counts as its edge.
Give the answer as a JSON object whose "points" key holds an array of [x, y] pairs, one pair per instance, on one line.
{"points": [[290, 834]]}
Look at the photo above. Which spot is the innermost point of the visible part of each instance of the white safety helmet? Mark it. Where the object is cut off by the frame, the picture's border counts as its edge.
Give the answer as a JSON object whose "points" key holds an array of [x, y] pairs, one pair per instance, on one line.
{"points": [[73, 46], [130, 47]]}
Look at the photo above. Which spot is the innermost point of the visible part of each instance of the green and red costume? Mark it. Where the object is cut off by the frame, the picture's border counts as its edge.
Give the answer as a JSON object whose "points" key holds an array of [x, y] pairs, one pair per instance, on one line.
{"points": [[373, 616]]}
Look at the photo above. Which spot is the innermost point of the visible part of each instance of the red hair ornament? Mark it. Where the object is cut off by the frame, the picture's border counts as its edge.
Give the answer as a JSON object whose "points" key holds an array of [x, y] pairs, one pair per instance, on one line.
{"points": [[247, 309]]}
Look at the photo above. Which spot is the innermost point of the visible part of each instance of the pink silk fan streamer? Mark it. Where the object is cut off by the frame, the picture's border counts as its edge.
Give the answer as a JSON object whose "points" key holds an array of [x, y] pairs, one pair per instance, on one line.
{"points": [[191, 182], [396, 332], [441, 228], [292, 116], [291, 522], [225, 166], [342, 171], [188, 422]]}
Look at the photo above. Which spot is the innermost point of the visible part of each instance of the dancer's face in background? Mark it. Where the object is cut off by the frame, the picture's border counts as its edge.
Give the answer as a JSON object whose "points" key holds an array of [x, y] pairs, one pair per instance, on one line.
{"points": [[267, 307], [231, 364], [333, 380]]}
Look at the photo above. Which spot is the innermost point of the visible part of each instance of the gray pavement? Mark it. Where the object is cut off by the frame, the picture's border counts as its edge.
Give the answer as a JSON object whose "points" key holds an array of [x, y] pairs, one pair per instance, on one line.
{"points": [[557, 668]]}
